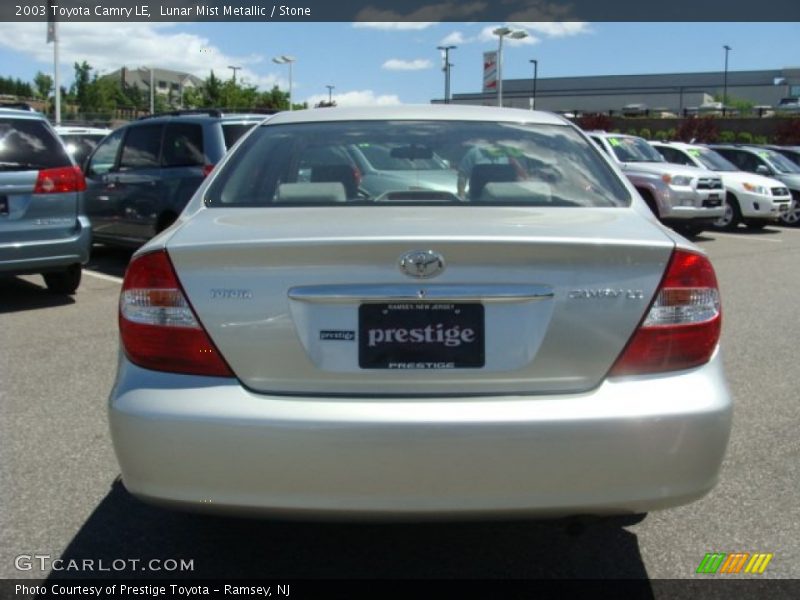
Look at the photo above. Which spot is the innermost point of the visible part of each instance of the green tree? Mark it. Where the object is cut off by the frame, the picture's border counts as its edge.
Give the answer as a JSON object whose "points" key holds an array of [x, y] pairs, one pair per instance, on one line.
{"points": [[44, 84]]}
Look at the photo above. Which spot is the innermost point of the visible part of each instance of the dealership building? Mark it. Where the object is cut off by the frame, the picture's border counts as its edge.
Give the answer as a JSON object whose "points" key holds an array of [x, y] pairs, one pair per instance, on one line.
{"points": [[673, 92]]}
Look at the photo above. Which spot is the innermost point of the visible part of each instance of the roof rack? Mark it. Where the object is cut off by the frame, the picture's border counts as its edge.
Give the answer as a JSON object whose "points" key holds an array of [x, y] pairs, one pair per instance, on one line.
{"points": [[211, 112]]}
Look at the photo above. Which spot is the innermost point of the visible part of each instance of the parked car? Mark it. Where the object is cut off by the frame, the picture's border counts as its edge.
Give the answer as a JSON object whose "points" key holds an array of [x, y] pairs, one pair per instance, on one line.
{"points": [[790, 104], [140, 177], [750, 198], [42, 225], [81, 141], [763, 161], [689, 199], [538, 346], [373, 169]]}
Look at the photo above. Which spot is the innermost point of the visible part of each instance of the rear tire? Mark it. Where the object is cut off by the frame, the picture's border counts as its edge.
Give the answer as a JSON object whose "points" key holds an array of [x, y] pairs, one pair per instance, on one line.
{"points": [[733, 215], [63, 282], [689, 231]]}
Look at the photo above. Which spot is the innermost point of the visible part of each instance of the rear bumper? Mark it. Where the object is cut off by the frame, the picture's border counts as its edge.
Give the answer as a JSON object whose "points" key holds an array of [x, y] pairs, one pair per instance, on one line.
{"points": [[46, 255], [628, 446]]}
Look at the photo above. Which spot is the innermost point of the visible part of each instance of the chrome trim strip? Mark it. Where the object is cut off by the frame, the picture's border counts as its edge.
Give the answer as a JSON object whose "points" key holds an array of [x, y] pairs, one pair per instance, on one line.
{"points": [[405, 292]]}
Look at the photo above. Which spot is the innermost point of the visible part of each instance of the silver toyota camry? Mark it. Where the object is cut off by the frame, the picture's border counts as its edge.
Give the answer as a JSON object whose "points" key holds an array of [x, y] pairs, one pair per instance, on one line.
{"points": [[528, 339]]}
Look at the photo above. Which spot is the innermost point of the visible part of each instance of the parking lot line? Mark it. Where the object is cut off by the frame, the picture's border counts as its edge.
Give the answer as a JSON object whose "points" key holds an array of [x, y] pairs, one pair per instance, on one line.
{"points": [[752, 237], [102, 276]]}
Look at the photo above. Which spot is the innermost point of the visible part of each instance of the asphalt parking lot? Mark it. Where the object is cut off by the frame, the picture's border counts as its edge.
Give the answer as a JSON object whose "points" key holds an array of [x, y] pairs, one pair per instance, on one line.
{"points": [[60, 495]]}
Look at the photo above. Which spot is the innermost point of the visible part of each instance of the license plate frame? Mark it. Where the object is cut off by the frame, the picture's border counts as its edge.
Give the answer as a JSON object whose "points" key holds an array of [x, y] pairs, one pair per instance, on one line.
{"points": [[424, 335]]}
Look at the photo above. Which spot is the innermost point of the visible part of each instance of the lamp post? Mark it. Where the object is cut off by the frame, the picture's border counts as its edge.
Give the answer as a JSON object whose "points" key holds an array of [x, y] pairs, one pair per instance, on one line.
{"points": [[446, 69], [234, 69], [502, 32], [286, 60], [725, 81], [330, 94], [535, 76], [152, 92]]}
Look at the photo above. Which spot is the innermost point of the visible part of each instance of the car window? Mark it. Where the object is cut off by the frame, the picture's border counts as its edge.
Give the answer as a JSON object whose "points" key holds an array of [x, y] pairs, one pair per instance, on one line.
{"points": [[675, 156], [778, 161], [81, 145], [105, 155], [141, 147], [233, 131], [501, 163], [29, 144], [183, 145], [632, 149], [712, 160]]}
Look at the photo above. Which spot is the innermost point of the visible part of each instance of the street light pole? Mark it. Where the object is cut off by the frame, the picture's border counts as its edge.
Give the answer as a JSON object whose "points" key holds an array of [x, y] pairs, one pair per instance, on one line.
{"points": [[446, 69], [234, 69], [725, 82], [535, 75], [152, 92], [502, 32], [330, 94], [286, 60]]}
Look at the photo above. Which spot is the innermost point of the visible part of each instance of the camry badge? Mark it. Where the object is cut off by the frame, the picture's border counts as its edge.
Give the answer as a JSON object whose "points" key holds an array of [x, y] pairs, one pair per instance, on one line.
{"points": [[422, 264]]}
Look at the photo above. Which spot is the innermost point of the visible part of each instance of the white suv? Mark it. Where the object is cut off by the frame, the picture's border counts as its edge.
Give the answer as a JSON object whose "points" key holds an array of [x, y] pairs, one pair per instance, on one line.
{"points": [[688, 199], [750, 198]]}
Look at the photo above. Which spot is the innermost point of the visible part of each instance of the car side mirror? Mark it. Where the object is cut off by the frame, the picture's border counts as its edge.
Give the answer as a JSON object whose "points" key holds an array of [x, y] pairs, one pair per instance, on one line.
{"points": [[763, 170]]}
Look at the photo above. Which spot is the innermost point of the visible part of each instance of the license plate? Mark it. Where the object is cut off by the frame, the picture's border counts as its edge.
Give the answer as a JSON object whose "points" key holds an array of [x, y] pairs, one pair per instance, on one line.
{"points": [[3, 205], [421, 335]]}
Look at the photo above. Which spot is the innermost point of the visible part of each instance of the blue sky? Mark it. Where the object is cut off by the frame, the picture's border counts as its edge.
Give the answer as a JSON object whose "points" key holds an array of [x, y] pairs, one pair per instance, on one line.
{"points": [[389, 63]]}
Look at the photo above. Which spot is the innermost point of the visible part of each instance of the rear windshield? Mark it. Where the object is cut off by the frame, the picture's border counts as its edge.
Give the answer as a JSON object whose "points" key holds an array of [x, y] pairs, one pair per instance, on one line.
{"points": [[416, 162], [28, 144], [233, 131]]}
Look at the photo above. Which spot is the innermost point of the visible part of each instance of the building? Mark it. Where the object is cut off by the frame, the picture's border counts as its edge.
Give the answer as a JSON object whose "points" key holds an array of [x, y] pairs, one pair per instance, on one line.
{"points": [[673, 92], [166, 82]]}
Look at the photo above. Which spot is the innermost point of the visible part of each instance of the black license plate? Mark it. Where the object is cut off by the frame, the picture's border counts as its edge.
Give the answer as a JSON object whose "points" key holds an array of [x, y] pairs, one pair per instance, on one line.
{"points": [[3, 205], [421, 335]]}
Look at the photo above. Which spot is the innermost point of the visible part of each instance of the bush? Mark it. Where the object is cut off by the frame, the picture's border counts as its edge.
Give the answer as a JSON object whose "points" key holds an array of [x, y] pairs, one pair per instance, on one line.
{"points": [[631, 131], [645, 133], [744, 137], [760, 139], [661, 135], [727, 137], [699, 129]]}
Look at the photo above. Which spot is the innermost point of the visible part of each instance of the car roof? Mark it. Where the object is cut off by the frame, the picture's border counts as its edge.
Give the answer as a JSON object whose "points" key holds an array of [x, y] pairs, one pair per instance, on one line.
{"points": [[684, 145], [20, 113], [204, 115], [417, 112], [69, 129]]}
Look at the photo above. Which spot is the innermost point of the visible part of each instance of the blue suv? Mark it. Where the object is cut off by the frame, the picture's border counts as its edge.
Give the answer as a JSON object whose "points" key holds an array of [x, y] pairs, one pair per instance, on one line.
{"points": [[140, 177], [42, 225]]}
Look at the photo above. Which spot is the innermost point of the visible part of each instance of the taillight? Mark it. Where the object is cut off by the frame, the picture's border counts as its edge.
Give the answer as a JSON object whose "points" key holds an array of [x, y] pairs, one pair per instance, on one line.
{"points": [[59, 180], [357, 176], [682, 328], [207, 170], [158, 327]]}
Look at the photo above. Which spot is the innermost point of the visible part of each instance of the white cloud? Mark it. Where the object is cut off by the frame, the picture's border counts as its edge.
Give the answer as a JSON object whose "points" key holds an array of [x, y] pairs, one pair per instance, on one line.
{"points": [[537, 31], [393, 25], [356, 98], [109, 46], [396, 64], [555, 28], [454, 38]]}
